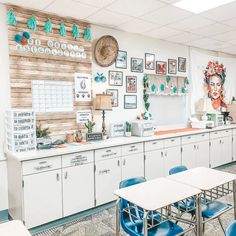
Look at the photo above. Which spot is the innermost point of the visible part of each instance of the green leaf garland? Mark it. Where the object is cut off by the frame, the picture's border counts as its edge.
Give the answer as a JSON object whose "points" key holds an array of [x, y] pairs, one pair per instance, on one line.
{"points": [[48, 26], [62, 29], [32, 23], [75, 31], [11, 19], [87, 34], [175, 89], [145, 94]]}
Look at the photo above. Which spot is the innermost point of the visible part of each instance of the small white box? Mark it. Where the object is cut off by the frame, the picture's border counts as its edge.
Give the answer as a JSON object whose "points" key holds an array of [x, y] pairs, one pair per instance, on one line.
{"points": [[142, 128]]}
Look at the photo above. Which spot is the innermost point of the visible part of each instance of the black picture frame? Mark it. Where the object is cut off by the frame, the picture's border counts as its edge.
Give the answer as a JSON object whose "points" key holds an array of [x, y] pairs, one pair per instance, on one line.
{"points": [[135, 78], [126, 106], [153, 61], [132, 60], [172, 71], [117, 58], [182, 67], [117, 92], [110, 72], [157, 67]]}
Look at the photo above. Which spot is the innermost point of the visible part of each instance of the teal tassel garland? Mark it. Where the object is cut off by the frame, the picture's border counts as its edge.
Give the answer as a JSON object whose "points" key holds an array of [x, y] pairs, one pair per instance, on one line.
{"points": [[32, 23], [11, 19], [87, 34], [62, 29], [75, 31], [48, 26]]}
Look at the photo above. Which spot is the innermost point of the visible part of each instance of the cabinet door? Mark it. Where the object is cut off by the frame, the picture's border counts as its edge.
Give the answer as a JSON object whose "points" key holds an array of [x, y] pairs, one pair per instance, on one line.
{"points": [[154, 164], [215, 153], [188, 155], [226, 150], [132, 166], [78, 188], [202, 154], [42, 198], [234, 148], [107, 179], [172, 158]]}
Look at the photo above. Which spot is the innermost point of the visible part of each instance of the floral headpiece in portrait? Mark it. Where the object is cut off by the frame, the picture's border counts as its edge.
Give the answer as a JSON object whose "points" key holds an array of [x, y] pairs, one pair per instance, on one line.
{"points": [[215, 74]]}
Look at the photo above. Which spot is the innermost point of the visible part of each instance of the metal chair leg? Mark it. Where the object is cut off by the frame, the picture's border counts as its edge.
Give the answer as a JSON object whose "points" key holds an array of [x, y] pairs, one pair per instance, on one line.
{"points": [[203, 226], [221, 224]]}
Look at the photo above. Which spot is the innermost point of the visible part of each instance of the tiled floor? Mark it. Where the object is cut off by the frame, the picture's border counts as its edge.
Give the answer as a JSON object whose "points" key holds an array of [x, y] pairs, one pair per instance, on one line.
{"points": [[103, 223]]}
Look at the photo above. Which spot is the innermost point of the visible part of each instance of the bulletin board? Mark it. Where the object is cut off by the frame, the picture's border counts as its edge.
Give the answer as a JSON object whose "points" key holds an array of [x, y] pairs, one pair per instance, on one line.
{"points": [[26, 66]]}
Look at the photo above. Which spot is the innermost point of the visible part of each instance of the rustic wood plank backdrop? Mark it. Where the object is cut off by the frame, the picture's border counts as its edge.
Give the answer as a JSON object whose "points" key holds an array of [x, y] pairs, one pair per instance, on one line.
{"points": [[28, 66]]}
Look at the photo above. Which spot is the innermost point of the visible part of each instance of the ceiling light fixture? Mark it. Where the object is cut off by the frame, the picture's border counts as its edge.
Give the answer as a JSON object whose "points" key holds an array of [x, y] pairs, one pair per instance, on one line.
{"points": [[198, 6]]}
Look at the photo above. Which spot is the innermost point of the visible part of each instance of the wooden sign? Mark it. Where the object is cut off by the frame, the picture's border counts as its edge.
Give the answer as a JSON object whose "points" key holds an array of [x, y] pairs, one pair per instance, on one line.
{"points": [[94, 137]]}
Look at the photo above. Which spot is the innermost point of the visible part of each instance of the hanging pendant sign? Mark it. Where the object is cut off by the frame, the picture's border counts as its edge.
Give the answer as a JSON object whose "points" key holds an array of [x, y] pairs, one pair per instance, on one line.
{"points": [[82, 87]]}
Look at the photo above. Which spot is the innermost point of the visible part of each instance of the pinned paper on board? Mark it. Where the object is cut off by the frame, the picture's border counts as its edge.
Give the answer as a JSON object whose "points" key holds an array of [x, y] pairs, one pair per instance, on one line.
{"points": [[83, 116], [82, 87]]}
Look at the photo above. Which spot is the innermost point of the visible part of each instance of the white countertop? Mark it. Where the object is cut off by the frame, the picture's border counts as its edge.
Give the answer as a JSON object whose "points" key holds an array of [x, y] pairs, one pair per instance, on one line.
{"points": [[24, 156], [202, 178], [13, 228], [155, 194]]}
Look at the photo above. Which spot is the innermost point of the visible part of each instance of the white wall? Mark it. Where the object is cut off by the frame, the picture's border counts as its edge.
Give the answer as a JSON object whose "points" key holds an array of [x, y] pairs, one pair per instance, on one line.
{"points": [[165, 110], [5, 101]]}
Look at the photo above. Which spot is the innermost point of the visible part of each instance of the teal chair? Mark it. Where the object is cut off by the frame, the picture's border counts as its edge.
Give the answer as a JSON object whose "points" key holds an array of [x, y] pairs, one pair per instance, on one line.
{"points": [[231, 229]]}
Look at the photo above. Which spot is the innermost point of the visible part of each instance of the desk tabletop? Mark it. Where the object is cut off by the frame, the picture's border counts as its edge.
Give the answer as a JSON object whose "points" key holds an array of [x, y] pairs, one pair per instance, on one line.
{"points": [[155, 194], [13, 228], [203, 178]]}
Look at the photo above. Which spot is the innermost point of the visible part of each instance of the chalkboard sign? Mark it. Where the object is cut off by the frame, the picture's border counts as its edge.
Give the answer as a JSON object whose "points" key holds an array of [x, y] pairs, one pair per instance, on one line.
{"points": [[94, 136]]}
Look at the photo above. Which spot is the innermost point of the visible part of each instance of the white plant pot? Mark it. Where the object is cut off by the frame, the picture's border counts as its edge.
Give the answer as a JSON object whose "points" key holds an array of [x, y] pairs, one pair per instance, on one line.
{"points": [[127, 134]]}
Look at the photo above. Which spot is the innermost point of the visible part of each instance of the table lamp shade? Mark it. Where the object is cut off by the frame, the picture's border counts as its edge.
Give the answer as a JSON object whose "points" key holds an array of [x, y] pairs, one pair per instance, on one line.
{"points": [[103, 102]]}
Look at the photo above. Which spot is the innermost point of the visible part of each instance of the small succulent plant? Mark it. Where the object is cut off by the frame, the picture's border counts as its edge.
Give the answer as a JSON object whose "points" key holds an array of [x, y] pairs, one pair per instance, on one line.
{"points": [[42, 133], [127, 127], [89, 125]]}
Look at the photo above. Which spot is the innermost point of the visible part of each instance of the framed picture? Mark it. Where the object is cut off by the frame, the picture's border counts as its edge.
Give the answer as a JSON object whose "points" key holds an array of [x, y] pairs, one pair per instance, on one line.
{"points": [[136, 65], [130, 101], [149, 61], [161, 67], [115, 78], [131, 84], [172, 66], [181, 64], [121, 60], [115, 96]]}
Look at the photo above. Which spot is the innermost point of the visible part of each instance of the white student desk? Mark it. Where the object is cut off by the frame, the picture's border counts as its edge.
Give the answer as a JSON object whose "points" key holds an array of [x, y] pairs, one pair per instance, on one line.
{"points": [[154, 195], [13, 228]]}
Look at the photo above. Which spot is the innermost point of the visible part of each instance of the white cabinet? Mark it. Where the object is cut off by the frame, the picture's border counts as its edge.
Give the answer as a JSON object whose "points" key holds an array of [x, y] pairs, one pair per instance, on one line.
{"points": [[172, 158], [234, 144], [78, 182], [42, 198], [202, 154], [189, 155]]}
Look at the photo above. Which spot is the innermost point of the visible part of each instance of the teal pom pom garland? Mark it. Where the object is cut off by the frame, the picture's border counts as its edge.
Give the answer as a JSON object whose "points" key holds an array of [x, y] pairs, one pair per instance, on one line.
{"points": [[62, 29], [75, 31], [11, 19], [26, 35], [18, 38], [87, 34], [32, 23], [48, 26]]}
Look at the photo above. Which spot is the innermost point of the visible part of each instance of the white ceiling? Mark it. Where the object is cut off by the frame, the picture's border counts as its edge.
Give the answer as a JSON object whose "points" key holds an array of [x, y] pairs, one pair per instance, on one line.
{"points": [[213, 30]]}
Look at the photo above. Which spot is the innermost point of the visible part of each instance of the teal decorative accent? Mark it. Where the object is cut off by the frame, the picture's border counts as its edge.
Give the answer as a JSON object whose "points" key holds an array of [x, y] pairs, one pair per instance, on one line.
{"points": [[147, 105], [145, 95], [153, 87], [75, 31], [87, 34], [48, 26], [26, 35], [187, 82], [162, 87], [168, 79], [182, 90], [32, 23], [100, 78], [18, 38], [175, 89], [62, 29], [11, 19]]}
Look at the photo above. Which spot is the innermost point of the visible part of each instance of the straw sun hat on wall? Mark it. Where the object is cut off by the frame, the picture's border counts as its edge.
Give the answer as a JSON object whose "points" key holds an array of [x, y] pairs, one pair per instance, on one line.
{"points": [[105, 51]]}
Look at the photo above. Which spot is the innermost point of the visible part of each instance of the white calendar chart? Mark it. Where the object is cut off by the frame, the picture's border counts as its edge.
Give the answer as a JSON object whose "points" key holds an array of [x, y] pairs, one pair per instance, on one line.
{"points": [[52, 96]]}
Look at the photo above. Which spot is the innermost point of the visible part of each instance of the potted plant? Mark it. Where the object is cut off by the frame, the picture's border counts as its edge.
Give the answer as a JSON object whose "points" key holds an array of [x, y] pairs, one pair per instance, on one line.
{"points": [[127, 129], [89, 126], [78, 136], [42, 134]]}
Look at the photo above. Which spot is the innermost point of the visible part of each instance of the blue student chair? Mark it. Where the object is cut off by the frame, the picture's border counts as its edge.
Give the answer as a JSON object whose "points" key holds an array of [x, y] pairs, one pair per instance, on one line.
{"points": [[231, 229], [210, 209], [132, 221]]}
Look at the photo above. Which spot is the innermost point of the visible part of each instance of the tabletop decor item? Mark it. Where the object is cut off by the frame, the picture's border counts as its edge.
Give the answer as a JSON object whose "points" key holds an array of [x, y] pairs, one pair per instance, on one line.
{"points": [[161, 67], [89, 125], [78, 136], [182, 64], [95, 136], [70, 137], [131, 84], [121, 60], [149, 61], [106, 50], [48, 26], [11, 19], [117, 129], [130, 101], [42, 134], [172, 66], [103, 103], [115, 96], [115, 78], [32, 23], [75, 31], [87, 34], [62, 29], [127, 129], [136, 65]]}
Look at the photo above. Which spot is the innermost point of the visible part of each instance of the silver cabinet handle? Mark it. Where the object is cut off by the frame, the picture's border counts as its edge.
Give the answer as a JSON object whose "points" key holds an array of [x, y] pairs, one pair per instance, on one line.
{"points": [[220, 141], [124, 161], [118, 162], [194, 146], [58, 177], [161, 154], [166, 154], [66, 175]]}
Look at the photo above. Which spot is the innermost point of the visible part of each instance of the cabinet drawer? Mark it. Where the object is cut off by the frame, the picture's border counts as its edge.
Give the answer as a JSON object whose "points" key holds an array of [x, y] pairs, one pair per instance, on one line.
{"points": [[219, 134], [40, 165], [107, 153], [132, 149], [172, 142], [234, 131], [76, 159], [188, 139], [154, 145], [202, 137]]}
